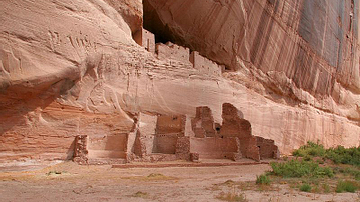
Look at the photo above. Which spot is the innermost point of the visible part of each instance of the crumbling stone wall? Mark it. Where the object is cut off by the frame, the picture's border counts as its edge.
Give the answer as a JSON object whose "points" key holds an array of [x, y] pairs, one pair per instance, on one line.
{"points": [[214, 147], [267, 148], [183, 148], [81, 152], [139, 146], [203, 123], [234, 125], [234, 129]]}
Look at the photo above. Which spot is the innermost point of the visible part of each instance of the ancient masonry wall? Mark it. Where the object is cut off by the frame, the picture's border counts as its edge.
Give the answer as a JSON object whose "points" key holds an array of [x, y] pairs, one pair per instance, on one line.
{"points": [[174, 52]]}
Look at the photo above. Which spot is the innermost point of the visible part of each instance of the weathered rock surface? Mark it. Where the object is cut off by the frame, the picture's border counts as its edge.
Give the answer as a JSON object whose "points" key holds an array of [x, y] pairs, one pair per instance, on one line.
{"points": [[71, 68]]}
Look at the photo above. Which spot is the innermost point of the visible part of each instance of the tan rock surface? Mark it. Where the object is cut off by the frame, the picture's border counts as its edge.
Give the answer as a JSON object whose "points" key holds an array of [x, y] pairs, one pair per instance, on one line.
{"points": [[72, 68]]}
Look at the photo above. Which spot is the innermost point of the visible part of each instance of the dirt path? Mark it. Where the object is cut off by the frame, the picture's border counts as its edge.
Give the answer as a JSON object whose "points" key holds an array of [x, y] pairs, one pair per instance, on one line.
{"points": [[70, 182]]}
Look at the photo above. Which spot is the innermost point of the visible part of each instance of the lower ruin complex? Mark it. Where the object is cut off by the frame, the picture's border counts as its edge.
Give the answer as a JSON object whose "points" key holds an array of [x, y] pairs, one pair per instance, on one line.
{"points": [[178, 137]]}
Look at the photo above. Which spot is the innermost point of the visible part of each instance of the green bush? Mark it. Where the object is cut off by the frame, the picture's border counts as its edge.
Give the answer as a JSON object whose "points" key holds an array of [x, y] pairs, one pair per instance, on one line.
{"points": [[263, 179], [311, 149], [305, 188], [346, 186], [296, 168], [345, 156], [337, 155]]}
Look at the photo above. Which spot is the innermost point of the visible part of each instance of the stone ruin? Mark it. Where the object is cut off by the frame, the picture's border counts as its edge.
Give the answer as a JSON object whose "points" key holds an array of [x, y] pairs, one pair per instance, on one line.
{"points": [[179, 137], [174, 52]]}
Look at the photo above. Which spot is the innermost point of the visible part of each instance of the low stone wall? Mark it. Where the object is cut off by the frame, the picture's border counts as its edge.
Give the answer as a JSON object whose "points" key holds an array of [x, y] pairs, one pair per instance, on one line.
{"points": [[203, 123], [204, 65], [214, 148], [165, 143], [110, 146], [267, 148], [173, 51]]}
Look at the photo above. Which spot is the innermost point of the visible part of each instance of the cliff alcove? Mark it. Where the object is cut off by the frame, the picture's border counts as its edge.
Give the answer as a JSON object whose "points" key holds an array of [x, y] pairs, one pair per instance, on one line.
{"points": [[153, 23]]}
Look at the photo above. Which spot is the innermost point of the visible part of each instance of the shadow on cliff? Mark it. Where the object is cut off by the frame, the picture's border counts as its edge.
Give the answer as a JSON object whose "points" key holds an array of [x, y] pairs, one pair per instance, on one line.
{"points": [[18, 101]]}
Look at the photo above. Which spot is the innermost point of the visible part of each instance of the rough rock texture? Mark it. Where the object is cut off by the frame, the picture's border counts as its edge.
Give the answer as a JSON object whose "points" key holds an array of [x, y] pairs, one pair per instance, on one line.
{"points": [[70, 68]]}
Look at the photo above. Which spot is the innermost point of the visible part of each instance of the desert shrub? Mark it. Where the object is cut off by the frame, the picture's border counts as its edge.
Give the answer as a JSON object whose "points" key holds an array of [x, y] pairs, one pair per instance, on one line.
{"points": [[344, 155], [337, 155], [263, 179], [296, 168], [346, 186], [311, 149], [305, 187]]}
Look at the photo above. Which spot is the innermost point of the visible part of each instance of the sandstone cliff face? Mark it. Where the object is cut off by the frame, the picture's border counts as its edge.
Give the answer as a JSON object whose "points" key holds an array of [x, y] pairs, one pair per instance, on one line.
{"points": [[288, 46], [71, 68]]}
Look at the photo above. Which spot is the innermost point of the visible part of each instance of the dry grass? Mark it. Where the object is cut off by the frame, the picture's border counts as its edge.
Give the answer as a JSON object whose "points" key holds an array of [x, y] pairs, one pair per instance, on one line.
{"points": [[141, 194], [231, 196], [151, 177]]}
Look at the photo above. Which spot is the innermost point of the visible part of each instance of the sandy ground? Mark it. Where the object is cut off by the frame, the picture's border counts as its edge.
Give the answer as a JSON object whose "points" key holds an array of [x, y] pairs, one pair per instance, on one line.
{"points": [[68, 181]]}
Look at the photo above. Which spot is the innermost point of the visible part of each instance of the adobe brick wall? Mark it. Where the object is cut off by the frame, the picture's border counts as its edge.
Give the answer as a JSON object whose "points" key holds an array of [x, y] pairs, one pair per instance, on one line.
{"points": [[233, 124], [203, 123], [249, 149], [267, 148]]}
